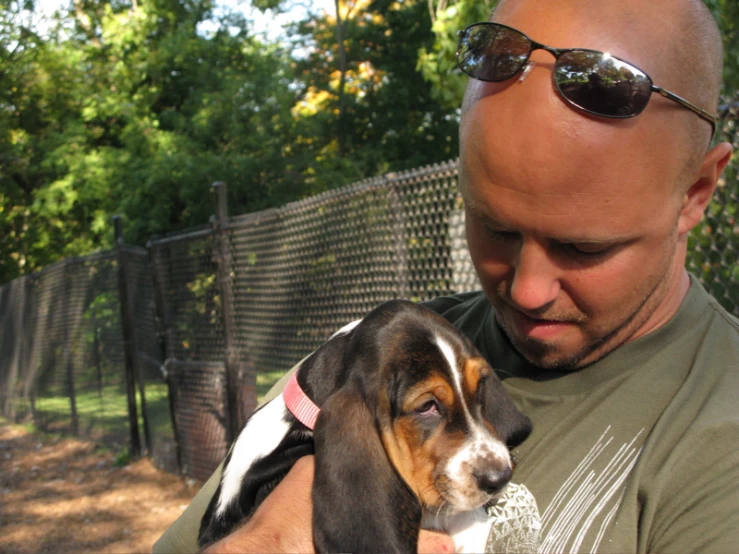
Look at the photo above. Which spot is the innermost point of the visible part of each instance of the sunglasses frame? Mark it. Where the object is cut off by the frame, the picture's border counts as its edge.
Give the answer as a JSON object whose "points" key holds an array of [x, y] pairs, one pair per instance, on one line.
{"points": [[557, 53]]}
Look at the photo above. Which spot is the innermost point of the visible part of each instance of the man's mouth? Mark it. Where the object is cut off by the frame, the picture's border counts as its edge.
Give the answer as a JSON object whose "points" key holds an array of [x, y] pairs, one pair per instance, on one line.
{"points": [[537, 328]]}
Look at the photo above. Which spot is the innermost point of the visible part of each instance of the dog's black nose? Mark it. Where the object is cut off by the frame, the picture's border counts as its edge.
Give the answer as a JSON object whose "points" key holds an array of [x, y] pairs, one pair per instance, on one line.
{"points": [[493, 480]]}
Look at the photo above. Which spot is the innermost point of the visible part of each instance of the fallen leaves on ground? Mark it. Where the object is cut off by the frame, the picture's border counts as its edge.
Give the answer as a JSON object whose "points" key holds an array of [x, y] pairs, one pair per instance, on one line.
{"points": [[66, 495]]}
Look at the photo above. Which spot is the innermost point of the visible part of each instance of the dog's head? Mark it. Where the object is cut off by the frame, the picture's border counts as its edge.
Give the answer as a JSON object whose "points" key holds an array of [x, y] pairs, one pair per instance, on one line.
{"points": [[414, 409]]}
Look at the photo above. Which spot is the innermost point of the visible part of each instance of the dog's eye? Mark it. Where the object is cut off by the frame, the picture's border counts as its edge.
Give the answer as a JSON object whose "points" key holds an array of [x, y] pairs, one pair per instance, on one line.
{"points": [[428, 409]]}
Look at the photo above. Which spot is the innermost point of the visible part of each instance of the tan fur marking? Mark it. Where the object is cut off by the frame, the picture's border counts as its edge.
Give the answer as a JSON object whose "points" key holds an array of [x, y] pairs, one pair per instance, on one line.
{"points": [[416, 460], [433, 387], [413, 458], [474, 370]]}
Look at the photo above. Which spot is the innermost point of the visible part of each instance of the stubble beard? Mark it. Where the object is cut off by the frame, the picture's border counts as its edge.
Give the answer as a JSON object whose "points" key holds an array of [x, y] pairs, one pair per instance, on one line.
{"points": [[546, 354]]}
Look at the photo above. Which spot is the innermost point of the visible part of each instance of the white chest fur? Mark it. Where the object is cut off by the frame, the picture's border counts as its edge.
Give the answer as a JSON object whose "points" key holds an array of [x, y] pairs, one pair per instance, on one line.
{"points": [[469, 530]]}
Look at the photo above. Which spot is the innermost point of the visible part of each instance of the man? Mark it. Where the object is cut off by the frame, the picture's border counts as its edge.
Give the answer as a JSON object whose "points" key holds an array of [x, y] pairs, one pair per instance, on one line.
{"points": [[577, 225]]}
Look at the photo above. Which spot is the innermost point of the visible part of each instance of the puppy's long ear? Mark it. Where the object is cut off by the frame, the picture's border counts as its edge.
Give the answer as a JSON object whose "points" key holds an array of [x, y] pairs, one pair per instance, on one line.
{"points": [[360, 503], [512, 426]]}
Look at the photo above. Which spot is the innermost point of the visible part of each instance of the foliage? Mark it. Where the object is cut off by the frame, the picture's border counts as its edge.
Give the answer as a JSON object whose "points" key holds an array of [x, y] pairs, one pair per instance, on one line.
{"points": [[438, 63], [390, 120], [131, 110], [129, 106], [726, 13]]}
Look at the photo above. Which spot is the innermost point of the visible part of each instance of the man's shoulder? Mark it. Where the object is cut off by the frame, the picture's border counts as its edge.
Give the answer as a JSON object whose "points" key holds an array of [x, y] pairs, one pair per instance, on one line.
{"points": [[722, 327], [456, 307], [723, 317], [701, 328], [709, 346]]}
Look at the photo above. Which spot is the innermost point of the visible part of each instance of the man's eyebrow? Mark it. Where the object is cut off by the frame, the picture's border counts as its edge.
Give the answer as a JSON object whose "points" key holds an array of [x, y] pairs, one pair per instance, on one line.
{"points": [[591, 241], [486, 219], [496, 225]]}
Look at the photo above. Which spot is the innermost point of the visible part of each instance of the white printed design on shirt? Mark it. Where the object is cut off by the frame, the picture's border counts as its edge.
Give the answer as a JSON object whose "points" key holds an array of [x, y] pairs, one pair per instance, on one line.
{"points": [[579, 514], [589, 498], [515, 522]]}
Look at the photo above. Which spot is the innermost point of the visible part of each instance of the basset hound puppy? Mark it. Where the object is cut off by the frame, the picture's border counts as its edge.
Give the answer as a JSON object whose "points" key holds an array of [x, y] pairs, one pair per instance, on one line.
{"points": [[414, 430]]}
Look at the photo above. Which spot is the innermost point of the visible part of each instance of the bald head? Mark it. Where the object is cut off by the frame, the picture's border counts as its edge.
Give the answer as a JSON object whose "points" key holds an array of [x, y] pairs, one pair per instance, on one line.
{"points": [[690, 57], [573, 217], [682, 54]]}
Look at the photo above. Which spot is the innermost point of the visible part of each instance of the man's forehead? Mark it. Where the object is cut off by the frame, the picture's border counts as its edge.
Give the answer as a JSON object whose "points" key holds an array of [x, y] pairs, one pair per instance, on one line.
{"points": [[521, 135], [625, 28], [583, 209], [602, 14], [565, 227], [542, 153]]}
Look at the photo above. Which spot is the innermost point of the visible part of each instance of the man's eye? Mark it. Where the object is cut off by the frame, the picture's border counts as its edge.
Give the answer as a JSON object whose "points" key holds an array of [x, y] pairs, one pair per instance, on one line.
{"points": [[589, 250], [501, 236]]}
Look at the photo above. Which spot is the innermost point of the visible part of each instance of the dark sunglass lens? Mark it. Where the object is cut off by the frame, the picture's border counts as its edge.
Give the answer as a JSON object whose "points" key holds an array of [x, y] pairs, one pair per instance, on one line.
{"points": [[602, 84], [491, 52]]}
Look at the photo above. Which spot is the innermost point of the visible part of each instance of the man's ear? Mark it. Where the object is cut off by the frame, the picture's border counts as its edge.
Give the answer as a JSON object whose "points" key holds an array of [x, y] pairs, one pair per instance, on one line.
{"points": [[699, 193]]}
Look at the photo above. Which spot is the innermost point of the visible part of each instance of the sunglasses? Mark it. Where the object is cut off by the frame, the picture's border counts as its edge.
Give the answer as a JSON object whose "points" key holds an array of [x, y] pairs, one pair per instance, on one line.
{"points": [[594, 82]]}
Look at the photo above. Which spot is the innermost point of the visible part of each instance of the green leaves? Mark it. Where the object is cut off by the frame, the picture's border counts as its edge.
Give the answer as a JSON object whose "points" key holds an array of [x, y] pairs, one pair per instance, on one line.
{"points": [[438, 64], [127, 108], [726, 13]]}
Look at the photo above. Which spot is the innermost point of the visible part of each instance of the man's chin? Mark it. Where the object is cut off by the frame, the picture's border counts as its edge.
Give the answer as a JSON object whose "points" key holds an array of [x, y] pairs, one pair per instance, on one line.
{"points": [[547, 354]]}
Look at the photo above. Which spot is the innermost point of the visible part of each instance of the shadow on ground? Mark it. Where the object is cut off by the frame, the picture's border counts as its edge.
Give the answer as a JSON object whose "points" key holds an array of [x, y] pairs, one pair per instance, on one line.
{"points": [[67, 495]]}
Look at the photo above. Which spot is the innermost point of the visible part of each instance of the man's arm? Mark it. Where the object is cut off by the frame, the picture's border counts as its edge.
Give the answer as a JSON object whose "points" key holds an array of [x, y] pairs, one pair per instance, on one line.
{"points": [[269, 530], [697, 492], [284, 521], [182, 535]]}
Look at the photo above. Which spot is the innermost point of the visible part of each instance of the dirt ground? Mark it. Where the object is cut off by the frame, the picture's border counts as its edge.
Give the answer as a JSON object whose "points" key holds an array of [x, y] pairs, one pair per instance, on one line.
{"points": [[65, 495]]}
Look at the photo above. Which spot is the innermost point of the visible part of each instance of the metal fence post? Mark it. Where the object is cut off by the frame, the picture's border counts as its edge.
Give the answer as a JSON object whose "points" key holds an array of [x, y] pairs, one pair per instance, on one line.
{"points": [[164, 339], [127, 325], [399, 238], [234, 368], [68, 365]]}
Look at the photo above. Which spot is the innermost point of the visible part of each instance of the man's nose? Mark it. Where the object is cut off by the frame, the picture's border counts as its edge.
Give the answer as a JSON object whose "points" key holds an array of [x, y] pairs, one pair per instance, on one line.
{"points": [[535, 283]]}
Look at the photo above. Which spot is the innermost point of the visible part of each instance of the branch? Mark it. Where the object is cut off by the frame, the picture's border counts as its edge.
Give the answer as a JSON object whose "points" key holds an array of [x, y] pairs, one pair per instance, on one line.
{"points": [[85, 23]]}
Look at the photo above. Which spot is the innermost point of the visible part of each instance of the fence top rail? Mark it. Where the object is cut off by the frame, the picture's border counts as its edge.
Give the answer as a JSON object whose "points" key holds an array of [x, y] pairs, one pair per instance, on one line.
{"points": [[445, 169], [73, 260], [136, 250], [184, 236]]}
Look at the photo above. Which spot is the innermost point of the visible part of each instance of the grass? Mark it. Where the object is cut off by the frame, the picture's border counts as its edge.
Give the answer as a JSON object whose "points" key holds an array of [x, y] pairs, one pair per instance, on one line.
{"points": [[106, 411], [266, 380], [103, 417]]}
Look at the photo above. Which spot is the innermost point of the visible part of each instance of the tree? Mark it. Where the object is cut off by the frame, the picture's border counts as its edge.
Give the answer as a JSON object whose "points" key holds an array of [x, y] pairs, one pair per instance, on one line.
{"points": [[385, 114], [129, 107]]}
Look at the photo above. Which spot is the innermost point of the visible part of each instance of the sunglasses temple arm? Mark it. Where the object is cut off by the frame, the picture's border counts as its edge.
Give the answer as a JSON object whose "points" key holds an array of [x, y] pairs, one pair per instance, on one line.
{"points": [[712, 119]]}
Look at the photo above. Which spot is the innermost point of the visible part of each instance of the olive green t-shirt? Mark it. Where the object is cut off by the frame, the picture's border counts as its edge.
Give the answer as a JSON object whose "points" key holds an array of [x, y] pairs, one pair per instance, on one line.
{"points": [[638, 452]]}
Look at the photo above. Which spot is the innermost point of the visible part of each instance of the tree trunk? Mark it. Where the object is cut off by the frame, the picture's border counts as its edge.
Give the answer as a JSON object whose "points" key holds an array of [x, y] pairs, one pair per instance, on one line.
{"points": [[340, 36]]}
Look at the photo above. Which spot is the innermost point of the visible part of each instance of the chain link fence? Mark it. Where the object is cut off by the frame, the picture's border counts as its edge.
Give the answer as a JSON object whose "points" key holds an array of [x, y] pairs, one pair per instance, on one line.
{"points": [[62, 352], [189, 309], [218, 314]]}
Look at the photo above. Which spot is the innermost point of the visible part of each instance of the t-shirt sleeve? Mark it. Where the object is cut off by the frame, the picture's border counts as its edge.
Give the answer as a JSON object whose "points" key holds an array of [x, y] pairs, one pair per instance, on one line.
{"points": [[698, 507], [182, 535]]}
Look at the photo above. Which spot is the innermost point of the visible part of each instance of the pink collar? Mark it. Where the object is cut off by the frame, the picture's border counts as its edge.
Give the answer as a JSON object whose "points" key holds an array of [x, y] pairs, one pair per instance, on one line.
{"points": [[302, 407]]}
